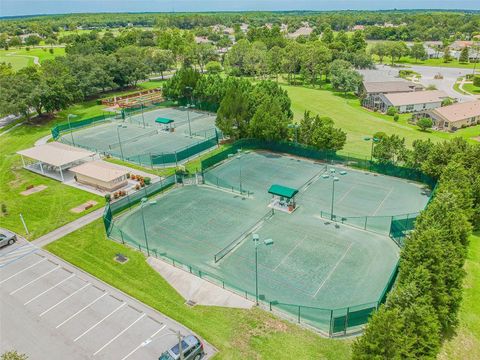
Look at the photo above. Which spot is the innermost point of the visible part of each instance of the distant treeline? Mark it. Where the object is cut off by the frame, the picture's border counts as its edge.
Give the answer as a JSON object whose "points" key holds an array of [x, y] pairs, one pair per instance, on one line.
{"points": [[381, 25]]}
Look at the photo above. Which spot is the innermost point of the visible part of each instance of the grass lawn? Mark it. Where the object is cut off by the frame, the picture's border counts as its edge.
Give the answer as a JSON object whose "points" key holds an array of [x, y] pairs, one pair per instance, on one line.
{"points": [[472, 89], [48, 209], [359, 122], [238, 334], [20, 57], [465, 345], [407, 60]]}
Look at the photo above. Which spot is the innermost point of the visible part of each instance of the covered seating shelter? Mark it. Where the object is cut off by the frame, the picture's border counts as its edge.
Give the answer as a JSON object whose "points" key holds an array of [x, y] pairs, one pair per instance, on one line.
{"points": [[53, 159], [283, 198], [167, 124]]}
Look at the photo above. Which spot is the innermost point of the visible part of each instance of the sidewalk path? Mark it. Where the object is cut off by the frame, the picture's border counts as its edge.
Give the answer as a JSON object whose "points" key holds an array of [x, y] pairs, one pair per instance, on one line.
{"points": [[68, 228]]}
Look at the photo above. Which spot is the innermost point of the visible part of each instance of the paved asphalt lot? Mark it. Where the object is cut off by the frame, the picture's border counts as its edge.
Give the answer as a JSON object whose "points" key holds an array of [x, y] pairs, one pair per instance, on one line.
{"points": [[51, 310]]}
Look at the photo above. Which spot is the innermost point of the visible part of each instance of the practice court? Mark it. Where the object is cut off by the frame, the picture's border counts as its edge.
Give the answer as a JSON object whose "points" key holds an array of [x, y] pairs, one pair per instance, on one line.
{"points": [[314, 262], [139, 136]]}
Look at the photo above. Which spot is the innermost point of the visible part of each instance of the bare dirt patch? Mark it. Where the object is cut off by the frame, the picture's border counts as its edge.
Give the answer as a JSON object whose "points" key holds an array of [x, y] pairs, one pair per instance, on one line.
{"points": [[33, 190], [85, 206]]}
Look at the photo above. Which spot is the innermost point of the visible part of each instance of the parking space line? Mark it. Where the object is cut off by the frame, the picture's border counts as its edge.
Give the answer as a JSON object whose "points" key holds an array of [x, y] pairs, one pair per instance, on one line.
{"points": [[119, 334], [38, 278], [64, 299], [79, 311], [21, 271], [18, 258], [13, 250], [98, 323], [50, 288], [145, 343]]}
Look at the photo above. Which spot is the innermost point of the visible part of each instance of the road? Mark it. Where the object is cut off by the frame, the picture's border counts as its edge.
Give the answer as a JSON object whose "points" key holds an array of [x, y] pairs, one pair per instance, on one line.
{"points": [[53, 310]]}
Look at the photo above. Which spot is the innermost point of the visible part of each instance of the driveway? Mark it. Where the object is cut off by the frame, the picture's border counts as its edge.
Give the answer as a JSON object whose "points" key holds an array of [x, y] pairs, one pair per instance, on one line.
{"points": [[52, 310], [450, 76]]}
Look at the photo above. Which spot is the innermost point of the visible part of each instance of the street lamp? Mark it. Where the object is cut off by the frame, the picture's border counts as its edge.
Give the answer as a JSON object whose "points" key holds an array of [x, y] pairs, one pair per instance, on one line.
{"points": [[334, 180], [188, 107], [119, 141], [294, 126], [373, 140], [143, 118], [256, 242], [144, 203], [70, 126], [238, 157]]}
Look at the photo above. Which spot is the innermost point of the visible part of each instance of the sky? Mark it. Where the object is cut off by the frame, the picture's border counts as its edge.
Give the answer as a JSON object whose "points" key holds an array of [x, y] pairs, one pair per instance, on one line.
{"points": [[34, 7]]}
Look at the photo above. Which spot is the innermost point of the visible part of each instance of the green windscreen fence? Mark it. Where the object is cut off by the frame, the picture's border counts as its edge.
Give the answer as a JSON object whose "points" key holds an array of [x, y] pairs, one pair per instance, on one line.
{"points": [[57, 130]]}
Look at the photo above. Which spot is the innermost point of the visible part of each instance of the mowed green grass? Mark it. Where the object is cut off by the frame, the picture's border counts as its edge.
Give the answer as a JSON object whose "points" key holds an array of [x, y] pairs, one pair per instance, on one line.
{"points": [[407, 60], [20, 57], [472, 89], [465, 344], [236, 333], [358, 122], [48, 209]]}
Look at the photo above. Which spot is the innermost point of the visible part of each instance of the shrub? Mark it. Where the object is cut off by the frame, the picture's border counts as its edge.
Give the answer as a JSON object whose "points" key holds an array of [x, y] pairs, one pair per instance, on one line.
{"points": [[50, 50], [4, 209], [27, 48], [431, 87], [391, 111], [425, 123], [476, 81], [447, 101], [147, 180], [108, 197], [396, 117]]}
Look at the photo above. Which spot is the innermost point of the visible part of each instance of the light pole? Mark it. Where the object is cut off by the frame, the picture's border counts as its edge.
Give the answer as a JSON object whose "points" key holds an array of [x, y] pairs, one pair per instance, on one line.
{"points": [[70, 126], [143, 204], [239, 158], [334, 180], [267, 242], [188, 107], [373, 140], [119, 141], [294, 126], [143, 118]]}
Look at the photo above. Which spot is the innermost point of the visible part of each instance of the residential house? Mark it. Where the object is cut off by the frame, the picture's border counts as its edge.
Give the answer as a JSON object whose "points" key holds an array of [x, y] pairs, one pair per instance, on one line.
{"points": [[409, 102], [370, 91], [455, 116]]}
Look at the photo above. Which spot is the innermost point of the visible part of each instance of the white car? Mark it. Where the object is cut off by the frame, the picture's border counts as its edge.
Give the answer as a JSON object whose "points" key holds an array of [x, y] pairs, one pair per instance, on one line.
{"points": [[7, 238]]}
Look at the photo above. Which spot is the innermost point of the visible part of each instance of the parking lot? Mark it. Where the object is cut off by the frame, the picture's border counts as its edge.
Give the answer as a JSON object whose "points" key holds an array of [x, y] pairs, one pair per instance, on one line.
{"points": [[51, 310]]}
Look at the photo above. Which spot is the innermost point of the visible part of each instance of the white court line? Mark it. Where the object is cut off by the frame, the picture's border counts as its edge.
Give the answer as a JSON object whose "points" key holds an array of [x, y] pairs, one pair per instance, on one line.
{"points": [[333, 269], [64, 299], [286, 256], [346, 194], [21, 271], [145, 343], [50, 288], [385, 198], [98, 323], [79, 311], [38, 278], [119, 334]]}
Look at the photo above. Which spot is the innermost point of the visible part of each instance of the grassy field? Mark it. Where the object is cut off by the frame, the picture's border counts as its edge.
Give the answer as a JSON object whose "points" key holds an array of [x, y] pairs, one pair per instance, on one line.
{"points": [[465, 345], [472, 89], [407, 60], [359, 122], [238, 334], [20, 58], [50, 208]]}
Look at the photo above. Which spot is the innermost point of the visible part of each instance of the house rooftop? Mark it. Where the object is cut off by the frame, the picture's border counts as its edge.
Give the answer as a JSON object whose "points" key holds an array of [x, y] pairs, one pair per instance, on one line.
{"points": [[100, 170], [417, 97], [459, 111], [390, 86]]}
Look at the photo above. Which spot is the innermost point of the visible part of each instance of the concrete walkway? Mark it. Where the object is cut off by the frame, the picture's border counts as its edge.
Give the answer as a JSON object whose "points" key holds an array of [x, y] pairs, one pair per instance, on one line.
{"points": [[68, 228], [43, 140], [200, 291]]}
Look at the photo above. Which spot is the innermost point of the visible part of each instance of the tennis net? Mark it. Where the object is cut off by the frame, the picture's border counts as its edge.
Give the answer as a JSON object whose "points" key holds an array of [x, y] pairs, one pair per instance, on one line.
{"points": [[135, 138]]}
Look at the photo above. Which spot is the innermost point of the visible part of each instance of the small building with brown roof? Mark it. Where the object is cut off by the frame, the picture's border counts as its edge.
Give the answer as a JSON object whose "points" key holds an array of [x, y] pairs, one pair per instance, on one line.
{"points": [[407, 102], [370, 91], [101, 175], [456, 116]]}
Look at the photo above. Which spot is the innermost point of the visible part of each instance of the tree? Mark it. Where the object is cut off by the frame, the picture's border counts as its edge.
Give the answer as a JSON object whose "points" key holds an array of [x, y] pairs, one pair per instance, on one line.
{"points": [[344, 77], [130, 66], [424, 123], [213, 67], [447, 57], [233, 115], [464, 55], [392, 110], [391, 149], [274, 61], [476, 81], [396, 49], [327, 35], [314, 60], [203, 53], [13, 355], [32, 40], [269, 122], [380, 49], [418, 51], [447, 101], [160, 60], [320, 132], [292, 60]]}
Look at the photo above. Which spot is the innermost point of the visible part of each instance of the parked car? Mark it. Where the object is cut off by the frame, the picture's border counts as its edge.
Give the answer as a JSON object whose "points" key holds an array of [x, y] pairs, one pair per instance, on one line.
{"points": [[192, 350], [7, 238]]}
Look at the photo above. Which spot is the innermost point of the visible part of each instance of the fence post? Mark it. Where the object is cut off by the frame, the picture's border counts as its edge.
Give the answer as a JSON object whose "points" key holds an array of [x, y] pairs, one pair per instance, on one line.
{"points": [[299, 313], [346, 321], [330, 331], [366, 219], [121, 234]]}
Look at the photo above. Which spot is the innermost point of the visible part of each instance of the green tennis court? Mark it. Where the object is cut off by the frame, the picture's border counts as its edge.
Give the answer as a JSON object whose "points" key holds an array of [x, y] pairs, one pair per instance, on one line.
{"points": [[317, 266], [138, 137]]}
